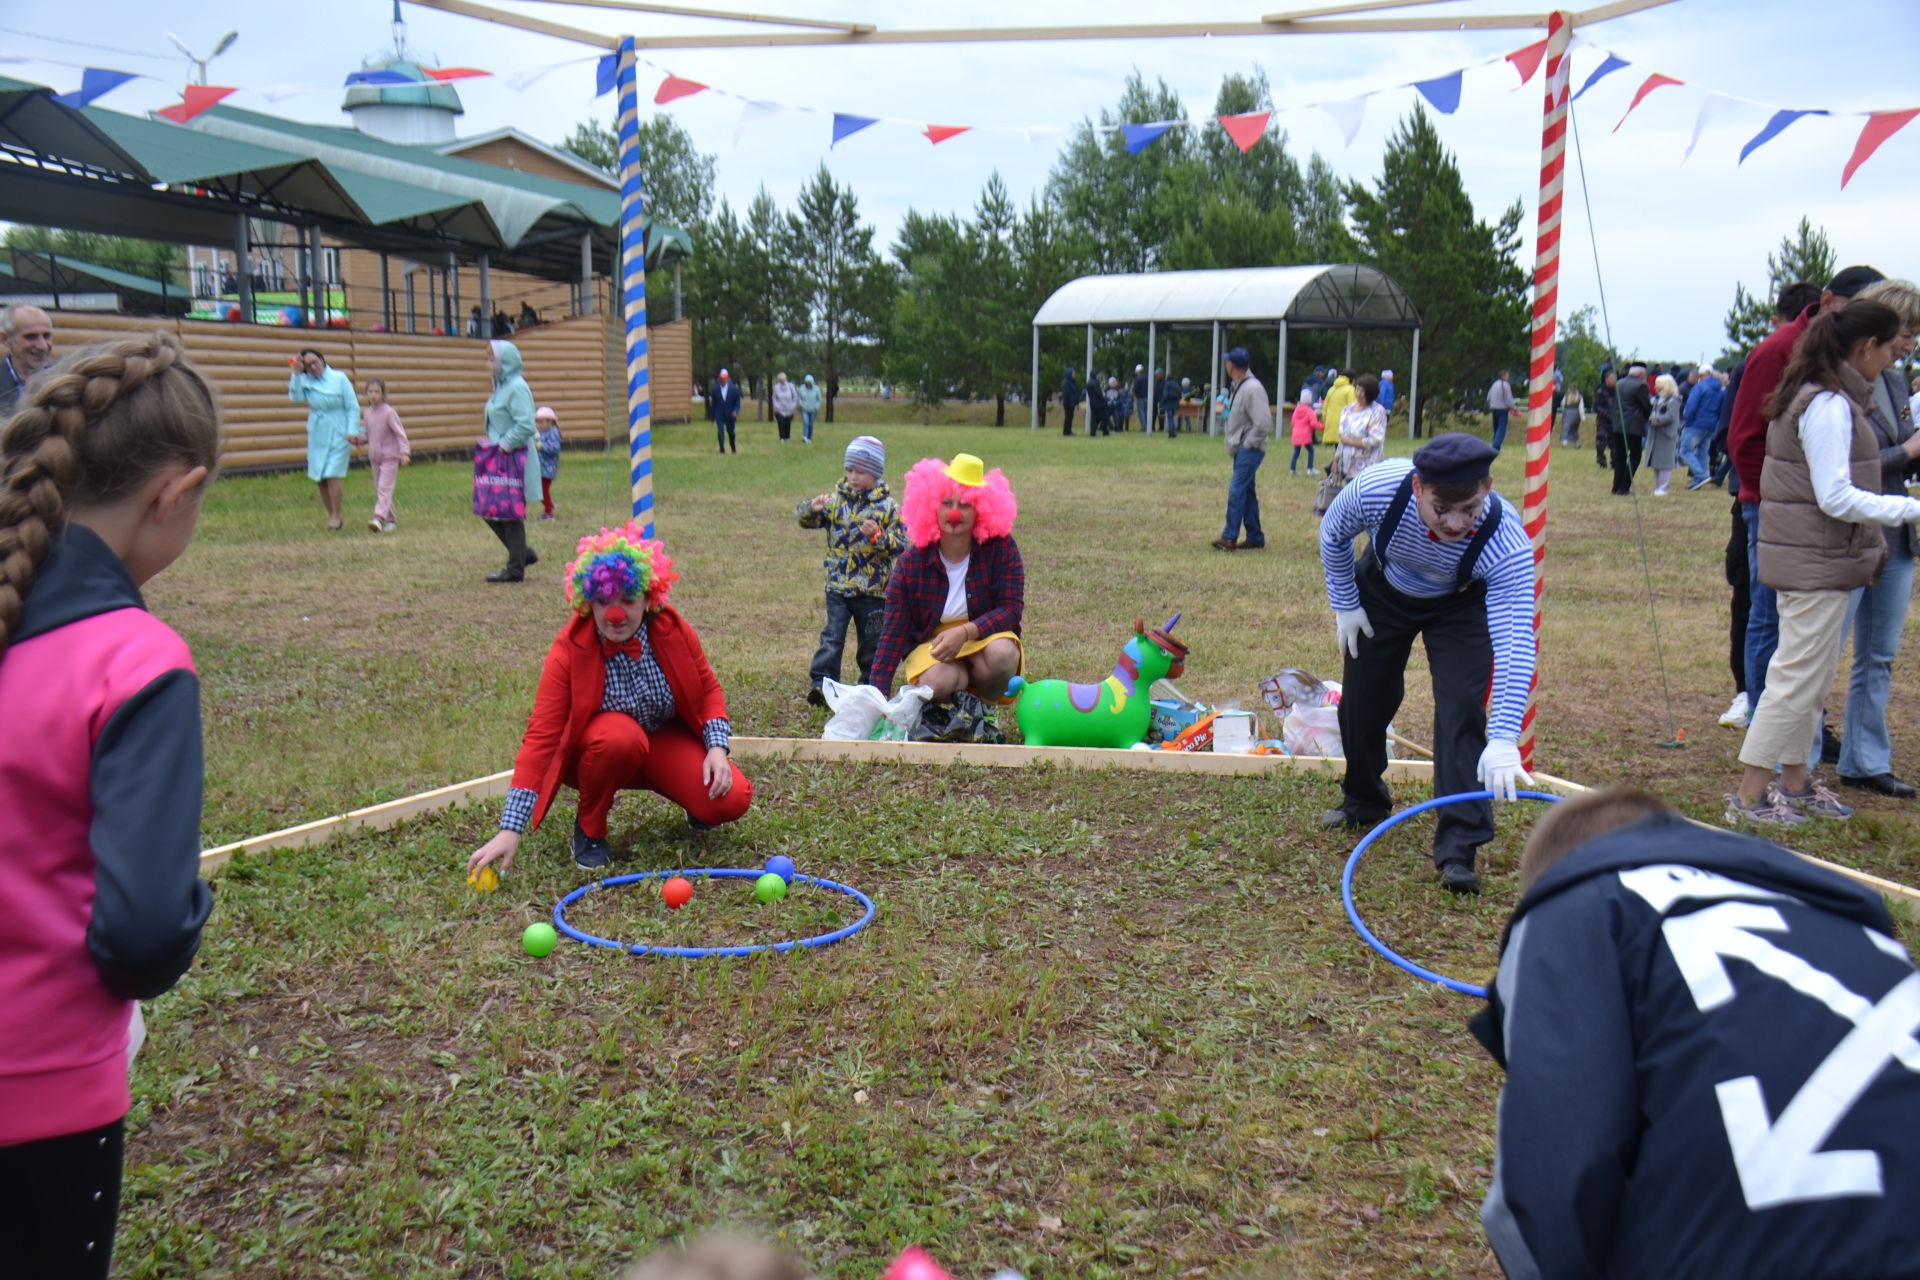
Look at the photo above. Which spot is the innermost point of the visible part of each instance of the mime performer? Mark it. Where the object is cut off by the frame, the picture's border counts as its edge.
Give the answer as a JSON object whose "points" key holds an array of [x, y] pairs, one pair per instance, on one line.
{"points": [[1448, 561]]}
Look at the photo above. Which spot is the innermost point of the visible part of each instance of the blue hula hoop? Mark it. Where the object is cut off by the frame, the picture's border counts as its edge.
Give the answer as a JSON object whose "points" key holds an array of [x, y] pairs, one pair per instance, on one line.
{"points": [[701, 953], [1353, 863]]}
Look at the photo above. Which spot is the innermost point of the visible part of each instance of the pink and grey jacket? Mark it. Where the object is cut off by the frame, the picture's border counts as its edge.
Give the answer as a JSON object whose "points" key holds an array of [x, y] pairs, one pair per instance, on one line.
{"points": [[100, 789]]}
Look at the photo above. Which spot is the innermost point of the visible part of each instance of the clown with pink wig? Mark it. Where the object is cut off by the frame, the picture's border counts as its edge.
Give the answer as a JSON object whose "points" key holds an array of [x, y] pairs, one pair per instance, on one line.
{"points": [[626, 702], [955, 599]]}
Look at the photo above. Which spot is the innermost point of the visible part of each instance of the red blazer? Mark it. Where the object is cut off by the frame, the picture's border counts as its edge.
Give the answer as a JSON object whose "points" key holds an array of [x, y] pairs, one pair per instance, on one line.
{"points": [[573, 682]]}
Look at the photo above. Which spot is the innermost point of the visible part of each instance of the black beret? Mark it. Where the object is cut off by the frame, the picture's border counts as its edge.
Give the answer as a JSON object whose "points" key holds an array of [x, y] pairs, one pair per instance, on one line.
{"points": [[1454, 458]]}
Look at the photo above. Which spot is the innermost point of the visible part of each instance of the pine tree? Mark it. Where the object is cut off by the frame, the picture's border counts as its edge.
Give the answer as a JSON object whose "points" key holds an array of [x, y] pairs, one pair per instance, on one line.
{"points": [[1807, 256], [676, 176], [840, 282]]}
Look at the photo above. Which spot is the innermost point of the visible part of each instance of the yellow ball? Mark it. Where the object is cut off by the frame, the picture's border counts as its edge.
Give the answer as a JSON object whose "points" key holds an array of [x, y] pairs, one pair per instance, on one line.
{"points": [[485, 880]]}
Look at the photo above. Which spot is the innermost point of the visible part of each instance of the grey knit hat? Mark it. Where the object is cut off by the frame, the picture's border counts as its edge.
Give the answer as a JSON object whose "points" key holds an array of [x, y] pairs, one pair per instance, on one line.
{"points": [[868, 454]]}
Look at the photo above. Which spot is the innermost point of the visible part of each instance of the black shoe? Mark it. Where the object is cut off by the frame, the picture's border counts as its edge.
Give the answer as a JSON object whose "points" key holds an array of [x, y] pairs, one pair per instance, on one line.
{"points": [[1883, 783], [1829, 746], [508, 574], [1339, 819], [1252, 546], [816, 697], [1458, 877], [697, 825], [533, 558], [589, 854]]}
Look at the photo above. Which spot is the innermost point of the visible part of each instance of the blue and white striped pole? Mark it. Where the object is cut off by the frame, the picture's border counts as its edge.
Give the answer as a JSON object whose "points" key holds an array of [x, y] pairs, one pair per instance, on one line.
{"points": [[633, 292]]}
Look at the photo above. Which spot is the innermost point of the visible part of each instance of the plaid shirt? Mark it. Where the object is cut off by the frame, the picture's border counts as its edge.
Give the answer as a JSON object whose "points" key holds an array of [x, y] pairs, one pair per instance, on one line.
{"points": [[636, 687], [996, 595], [855, 566]]}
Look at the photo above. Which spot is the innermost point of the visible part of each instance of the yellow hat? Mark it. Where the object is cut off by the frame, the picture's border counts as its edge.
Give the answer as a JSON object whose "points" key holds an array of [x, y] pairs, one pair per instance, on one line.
{"points": [[967, 470]]}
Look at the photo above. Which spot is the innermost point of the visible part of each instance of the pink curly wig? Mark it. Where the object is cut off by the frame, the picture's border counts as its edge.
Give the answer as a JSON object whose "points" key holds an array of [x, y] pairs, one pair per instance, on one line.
{"points": [[928, 485], [618, 565]]}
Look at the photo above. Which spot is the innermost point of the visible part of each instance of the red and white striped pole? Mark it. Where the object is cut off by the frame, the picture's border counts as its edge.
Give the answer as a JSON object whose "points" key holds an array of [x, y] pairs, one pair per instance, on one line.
{"points": [[1546, 309]]}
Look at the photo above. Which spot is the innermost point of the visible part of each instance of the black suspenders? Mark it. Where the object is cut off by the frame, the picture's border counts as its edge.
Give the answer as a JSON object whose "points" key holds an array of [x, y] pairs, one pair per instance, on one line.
{"points": [[1390, 525]]}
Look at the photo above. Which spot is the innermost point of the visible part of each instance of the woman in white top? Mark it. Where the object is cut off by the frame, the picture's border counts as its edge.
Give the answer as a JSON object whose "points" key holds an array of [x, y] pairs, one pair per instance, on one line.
{"points": [[1363, 429]]}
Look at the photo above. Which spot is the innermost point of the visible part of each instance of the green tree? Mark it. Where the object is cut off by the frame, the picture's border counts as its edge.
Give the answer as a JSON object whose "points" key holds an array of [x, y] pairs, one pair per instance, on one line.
{"points": [[1582, 350], [677, 176], [1119, 201], [1323, 232], [123, 253], [998, 352], [1418, 226], [837, 280], [1806, 255], [720, 304], [930, 330]]}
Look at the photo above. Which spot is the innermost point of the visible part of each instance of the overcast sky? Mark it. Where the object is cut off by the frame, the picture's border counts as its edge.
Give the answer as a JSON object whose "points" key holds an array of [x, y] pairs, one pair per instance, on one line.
{"points": [[1672, 237]]}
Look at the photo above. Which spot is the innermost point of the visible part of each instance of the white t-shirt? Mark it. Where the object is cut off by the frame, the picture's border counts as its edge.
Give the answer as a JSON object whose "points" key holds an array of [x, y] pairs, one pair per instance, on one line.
{"points": [[956, 607]]}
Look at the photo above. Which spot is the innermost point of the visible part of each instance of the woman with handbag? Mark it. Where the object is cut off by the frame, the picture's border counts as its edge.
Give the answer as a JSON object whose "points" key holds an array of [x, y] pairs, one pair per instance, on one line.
{"points": [[503, 484], [1663, 432]]}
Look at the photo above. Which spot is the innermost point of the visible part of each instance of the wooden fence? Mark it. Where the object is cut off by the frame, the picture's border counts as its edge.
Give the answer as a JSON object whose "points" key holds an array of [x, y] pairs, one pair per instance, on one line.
{"points": [[438, 384]]}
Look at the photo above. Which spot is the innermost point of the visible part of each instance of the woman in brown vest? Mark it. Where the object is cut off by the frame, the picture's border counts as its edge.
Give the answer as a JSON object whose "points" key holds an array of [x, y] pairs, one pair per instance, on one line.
{"points": [[1821, 514]]}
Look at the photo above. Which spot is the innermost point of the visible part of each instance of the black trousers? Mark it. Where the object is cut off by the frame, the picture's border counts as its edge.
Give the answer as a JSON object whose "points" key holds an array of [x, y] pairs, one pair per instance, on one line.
{"points": [[785, 422], [1626, 460], [1602, 438], [59, 1204], [1066, 419], [1460, 656], [513, 536]]}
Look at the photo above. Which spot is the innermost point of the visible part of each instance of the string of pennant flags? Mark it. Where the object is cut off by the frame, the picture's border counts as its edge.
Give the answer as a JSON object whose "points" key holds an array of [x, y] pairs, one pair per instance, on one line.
{"points": [[1442, 93]]}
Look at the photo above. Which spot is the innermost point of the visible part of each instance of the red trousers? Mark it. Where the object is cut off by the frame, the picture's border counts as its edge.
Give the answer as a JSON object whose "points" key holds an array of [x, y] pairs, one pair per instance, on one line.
{"points": [[546, 493], [615, 754]]}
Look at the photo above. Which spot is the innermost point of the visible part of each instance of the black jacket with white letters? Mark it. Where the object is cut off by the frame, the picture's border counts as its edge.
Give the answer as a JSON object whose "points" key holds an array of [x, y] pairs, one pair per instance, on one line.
{"points": [[1712, 1068]]}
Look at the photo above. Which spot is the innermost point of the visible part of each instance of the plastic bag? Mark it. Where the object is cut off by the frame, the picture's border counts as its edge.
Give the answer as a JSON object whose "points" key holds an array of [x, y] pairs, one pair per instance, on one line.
{"points": [[1312, 731], [967, 719], [859, 709]]}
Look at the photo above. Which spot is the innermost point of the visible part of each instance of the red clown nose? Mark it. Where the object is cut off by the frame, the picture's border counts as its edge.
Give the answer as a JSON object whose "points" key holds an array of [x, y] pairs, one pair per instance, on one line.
{"points": [[616, 617]]}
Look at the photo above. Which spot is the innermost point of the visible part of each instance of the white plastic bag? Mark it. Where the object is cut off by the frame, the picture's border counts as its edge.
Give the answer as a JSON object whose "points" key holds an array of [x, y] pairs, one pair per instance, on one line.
{"points": [[858, 710], [1312, 731]]}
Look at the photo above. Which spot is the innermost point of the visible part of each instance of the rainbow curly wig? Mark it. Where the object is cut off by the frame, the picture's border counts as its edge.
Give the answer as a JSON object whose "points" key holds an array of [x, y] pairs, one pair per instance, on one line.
{"points": [[618, 565], [928, 485]]}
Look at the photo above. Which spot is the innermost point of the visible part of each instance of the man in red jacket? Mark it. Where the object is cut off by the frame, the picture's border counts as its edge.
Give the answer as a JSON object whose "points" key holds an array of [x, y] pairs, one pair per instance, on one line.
{"points": [[1747, 448], [626, 702]]}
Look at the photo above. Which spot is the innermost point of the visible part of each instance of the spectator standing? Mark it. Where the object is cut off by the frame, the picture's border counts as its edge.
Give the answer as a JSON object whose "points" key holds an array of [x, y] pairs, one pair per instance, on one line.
{"points": [[1663, 433], [809, 400], [786, 402], [511, 428], [1339, 396], [387, 451], [864, 537], [1570, 418], [1249, 423], [1880, 607], [1606, 416], [1069, 400], [547, 437], [1306, 434], [1184, 395], [1363, 429], [1159, 401], [1697, 424], [1500, 405], [333, 411], [1634, 405], [1119, 411], [26, 333], [1142, 402], [726, 411], [1387, 392]]}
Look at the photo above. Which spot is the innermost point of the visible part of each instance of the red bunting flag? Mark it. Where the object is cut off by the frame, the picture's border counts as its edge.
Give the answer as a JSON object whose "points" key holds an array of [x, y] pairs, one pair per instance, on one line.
{"points": [[1527, 61], [453, 73], [1652, 82], [199, 98], [1881, 125], [939, 133], [674, 87], [1245, 130]]}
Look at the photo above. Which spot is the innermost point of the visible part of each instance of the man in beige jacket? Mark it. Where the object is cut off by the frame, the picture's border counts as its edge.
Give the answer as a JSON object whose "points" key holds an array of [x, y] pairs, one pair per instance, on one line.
{"points": [[1249, 423]]}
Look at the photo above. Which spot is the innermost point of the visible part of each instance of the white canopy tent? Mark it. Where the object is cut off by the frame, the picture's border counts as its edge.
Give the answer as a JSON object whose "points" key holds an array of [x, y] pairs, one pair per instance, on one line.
{"points": [[1344, 296]]}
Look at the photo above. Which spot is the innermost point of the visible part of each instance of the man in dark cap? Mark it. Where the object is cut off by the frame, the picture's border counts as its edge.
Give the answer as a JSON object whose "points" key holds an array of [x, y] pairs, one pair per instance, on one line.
{"points": [[1249, 424], [1448, 561]]}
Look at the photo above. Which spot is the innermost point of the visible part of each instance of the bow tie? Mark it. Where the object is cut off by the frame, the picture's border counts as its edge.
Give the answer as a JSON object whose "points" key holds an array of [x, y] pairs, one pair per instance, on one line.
{"points": [[632, 647]]}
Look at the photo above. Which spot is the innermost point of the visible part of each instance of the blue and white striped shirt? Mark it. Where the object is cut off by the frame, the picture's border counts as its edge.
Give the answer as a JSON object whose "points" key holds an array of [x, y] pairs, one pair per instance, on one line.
{"points": [[1419, 564], [636, 687]]}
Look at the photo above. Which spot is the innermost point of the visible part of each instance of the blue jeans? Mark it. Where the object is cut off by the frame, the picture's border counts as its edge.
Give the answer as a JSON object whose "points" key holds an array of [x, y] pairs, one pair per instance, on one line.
{"points": [[806, 425], [1294, 466], [1763, 623], [1880, 611], [1499, 428], [1146, 418], [1243, 504], [865, 612], [1693, 451]]}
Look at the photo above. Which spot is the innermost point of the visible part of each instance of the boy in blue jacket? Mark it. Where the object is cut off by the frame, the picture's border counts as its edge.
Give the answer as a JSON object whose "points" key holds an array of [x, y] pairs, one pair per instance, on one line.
{"points": [[1710, 1055]]}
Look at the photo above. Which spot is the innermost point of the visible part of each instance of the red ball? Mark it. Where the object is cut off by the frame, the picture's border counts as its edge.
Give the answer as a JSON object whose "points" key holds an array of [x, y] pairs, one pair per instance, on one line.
{"points": [[676, 893]]}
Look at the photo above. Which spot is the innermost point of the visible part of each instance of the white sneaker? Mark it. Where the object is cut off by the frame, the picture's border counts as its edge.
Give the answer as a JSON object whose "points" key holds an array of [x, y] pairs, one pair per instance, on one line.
{"points": [[1312, 472], [1735, 716], [1659, 493], [374, 525], [388, 527]]}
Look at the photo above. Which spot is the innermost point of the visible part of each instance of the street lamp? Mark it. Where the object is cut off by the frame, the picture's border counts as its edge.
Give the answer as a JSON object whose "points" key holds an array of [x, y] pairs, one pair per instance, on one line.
{"points": [[199, 62]]}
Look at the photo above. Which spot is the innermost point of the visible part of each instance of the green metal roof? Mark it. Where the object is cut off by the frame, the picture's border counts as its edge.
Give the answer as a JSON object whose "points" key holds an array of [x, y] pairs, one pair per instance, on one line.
{"points": [[174, 155], [31, 120]]}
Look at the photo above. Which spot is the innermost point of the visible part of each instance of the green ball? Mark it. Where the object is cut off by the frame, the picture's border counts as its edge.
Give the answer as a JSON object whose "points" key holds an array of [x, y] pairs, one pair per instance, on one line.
{"points": [[539, 939], [770, 887]]}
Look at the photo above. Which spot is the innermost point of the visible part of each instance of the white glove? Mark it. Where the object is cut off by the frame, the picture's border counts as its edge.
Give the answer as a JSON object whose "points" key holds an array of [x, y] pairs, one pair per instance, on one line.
{"points": [[1352, 624], [1500, 770]]}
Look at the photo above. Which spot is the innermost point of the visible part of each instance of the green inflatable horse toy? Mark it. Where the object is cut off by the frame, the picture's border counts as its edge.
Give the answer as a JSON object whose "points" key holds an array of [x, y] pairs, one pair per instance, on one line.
{"points": [[1114, 713]]}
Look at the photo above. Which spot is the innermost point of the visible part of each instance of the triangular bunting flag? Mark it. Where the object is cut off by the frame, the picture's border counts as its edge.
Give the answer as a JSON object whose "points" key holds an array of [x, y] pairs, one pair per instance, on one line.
{"points": [[1044, 132], [1247, 129], [1647, 86], [753, 113], [379, 77], [1527, 61], [1880, 126], [674, 87], [94, 82], [521, 81], [1141, 136], [846, 126], [606, 74], [1348, 115], [1713, 106], [1771, 130], [198, 98], [939, 133], [281, 92], [1607, 68], [453, 73], [1443, 92]]}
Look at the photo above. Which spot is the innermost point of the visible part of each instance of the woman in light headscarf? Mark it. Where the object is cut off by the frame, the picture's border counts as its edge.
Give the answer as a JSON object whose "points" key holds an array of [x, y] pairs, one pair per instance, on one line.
{"points": [[510, 426]]}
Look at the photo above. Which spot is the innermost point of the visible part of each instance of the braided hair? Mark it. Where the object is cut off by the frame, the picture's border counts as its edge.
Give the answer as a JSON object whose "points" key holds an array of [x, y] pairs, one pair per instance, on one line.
{"points": [[94, 428]]}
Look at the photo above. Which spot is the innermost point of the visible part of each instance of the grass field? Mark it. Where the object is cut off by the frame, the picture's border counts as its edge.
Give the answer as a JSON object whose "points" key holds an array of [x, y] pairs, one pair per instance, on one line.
{"points": [[1105, 1025]]}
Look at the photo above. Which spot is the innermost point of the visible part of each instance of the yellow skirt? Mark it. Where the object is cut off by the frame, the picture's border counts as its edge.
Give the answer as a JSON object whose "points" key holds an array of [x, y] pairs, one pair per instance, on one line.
{"points": [[921, 660]]}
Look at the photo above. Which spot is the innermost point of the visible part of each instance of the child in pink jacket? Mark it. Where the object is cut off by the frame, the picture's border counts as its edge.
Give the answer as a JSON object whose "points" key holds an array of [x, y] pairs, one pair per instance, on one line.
{"points": [[1306, 430], [387, 451]]}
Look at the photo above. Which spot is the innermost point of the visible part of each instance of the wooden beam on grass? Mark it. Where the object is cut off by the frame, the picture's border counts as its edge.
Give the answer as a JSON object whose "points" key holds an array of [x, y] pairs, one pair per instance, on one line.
{"points": [[377, 817], [680, 11]]}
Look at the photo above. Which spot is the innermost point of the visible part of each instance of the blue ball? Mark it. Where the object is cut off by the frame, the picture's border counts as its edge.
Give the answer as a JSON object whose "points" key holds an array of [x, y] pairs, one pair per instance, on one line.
{"points": [[781, 865]]}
